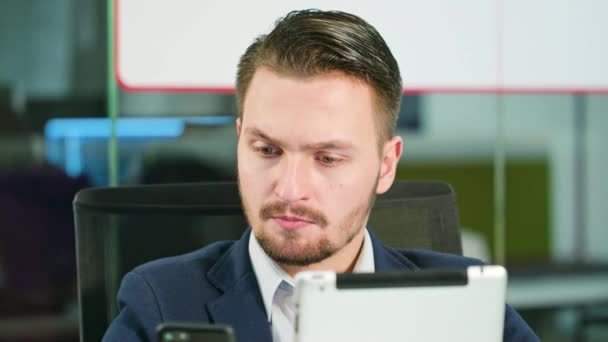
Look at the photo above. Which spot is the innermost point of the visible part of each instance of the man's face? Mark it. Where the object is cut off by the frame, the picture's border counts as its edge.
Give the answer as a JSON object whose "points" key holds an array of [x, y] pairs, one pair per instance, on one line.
{"points": [[308, 163]]}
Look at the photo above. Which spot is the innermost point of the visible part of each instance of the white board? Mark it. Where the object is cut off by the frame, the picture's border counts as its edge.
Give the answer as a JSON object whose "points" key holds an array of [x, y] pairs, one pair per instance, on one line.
{"points": [[440, 45]]}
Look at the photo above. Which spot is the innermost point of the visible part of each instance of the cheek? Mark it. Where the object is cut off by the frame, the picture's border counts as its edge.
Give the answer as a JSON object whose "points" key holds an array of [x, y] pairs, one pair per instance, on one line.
{"points": [[250, 163], [352, 181], [348, 190], [339, 197], [249, 180], [254, 182]]}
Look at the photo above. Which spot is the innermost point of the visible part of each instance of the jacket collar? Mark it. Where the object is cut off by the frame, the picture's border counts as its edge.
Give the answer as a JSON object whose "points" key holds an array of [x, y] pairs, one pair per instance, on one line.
{"points": [[240, 305], [389, 259]]}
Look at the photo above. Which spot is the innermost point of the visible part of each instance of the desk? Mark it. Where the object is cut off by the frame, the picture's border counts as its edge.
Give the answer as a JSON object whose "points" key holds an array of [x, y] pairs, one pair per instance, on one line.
{"points": [[557, 285], [31, 327]]}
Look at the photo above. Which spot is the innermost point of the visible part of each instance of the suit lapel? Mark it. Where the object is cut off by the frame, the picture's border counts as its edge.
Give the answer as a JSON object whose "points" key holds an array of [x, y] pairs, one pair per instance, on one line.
{"points": [[240, 305]]}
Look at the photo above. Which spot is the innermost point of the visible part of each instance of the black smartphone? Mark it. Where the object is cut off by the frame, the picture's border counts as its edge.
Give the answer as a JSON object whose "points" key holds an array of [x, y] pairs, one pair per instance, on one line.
{"points": [[194, 332]]}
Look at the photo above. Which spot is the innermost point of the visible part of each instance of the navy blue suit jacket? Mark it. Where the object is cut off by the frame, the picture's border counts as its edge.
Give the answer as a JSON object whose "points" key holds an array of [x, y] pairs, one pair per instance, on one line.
{"points": [[217, 284]]}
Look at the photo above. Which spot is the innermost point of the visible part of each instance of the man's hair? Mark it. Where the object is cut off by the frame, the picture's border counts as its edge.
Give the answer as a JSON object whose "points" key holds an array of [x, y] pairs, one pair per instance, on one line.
{"points": [[310, 43]]}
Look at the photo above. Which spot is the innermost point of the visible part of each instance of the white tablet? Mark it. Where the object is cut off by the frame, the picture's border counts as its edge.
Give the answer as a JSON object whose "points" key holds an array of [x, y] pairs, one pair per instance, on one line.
{"points": [[427, 305]]}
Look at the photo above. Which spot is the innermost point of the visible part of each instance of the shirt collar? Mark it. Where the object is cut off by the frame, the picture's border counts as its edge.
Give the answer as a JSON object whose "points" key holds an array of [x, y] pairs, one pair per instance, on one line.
{"points": [[365, 263], [270, 275]]}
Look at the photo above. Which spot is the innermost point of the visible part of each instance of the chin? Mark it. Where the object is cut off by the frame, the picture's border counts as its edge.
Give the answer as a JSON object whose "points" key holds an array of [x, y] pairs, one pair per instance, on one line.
{"points": [[289, 249]]}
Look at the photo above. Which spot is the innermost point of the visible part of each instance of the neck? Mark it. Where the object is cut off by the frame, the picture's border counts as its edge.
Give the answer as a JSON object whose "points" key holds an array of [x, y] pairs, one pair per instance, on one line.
{"points": [[342, 261]]}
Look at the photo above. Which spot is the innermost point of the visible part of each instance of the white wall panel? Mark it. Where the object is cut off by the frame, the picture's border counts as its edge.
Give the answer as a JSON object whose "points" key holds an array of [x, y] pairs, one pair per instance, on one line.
{"points": [[197, 44], [453, 45]]}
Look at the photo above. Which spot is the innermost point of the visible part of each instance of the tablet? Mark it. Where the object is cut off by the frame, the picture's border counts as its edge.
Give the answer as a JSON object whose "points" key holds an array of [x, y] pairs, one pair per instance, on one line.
{"points": [[428, 305]]}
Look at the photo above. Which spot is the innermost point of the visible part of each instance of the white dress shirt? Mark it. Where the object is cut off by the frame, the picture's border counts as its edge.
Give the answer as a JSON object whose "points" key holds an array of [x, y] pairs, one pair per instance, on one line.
{"points": [[276, 286]]}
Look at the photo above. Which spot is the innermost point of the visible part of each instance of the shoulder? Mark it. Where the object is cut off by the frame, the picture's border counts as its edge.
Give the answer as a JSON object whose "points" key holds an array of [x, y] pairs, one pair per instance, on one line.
{"points": [[515, 328], [181, 267], [430, 259], [169, 282], [168, 289], [173, 288]]}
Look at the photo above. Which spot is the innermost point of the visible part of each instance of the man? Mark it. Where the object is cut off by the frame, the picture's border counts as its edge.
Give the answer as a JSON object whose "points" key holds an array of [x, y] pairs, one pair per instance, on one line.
{"points": [[318, 99]]}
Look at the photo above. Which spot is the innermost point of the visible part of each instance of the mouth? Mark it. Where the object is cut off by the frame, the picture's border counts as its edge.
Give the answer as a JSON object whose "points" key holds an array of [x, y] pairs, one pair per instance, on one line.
{"points": [[288, 222]]}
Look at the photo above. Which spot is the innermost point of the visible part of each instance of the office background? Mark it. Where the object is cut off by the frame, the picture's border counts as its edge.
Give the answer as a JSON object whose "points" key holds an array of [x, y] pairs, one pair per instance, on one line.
{"points": [[55, 136]]}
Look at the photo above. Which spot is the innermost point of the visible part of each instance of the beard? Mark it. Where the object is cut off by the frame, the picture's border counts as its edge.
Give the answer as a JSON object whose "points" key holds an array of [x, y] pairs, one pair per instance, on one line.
{"points": [[286, 247]]}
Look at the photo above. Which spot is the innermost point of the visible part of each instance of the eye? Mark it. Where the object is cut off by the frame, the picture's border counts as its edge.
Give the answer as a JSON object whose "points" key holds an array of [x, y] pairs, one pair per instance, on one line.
{"points": [[268, 150], [328, 160]]}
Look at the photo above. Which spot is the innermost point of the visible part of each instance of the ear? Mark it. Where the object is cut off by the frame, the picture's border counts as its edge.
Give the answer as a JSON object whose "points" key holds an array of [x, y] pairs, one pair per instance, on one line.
{"points": [[391, 153], [238, 126]]}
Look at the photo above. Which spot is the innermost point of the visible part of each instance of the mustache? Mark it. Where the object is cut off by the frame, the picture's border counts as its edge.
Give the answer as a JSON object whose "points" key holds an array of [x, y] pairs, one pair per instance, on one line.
{"points": [[280, 208]]}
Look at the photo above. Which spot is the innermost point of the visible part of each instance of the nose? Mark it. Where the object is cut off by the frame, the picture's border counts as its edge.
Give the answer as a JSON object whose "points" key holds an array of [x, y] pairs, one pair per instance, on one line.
{"points": [[293, 182]]}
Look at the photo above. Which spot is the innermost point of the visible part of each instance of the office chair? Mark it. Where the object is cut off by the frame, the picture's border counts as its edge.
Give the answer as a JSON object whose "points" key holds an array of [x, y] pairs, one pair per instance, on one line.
{"points": [[120, 228]]}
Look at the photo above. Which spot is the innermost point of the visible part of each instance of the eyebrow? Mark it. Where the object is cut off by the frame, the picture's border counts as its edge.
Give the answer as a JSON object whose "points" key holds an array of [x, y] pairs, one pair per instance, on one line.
{"points": [[329, 145]]}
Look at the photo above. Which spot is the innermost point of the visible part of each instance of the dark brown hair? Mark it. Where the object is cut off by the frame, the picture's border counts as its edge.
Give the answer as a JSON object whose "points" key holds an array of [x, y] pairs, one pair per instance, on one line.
{"points": [[309, 43]]}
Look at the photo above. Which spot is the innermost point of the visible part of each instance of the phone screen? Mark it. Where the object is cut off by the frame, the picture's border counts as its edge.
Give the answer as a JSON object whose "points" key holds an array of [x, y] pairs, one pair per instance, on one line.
{"points": [[195, 333]]}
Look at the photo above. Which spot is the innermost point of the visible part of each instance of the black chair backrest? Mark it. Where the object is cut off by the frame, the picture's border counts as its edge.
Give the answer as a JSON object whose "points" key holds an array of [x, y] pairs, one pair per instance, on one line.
{"points": [[122, 227]]}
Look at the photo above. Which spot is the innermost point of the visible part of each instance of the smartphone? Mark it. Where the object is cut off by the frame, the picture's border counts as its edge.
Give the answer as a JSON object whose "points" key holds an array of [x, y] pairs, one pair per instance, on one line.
{"points": [[194, 332]]}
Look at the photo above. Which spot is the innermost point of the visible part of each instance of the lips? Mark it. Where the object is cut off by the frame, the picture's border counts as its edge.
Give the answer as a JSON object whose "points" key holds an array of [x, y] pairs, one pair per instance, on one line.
{"points": [[291, 222]]}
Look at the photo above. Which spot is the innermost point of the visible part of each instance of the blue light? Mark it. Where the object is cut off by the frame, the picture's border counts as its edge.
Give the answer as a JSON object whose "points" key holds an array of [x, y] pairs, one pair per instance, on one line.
{"points": [[68, 134], [61, 128]]}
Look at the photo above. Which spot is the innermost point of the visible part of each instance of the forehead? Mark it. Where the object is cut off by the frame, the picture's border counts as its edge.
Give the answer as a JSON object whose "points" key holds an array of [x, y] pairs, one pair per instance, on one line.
{"points": [[306, 110]]}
